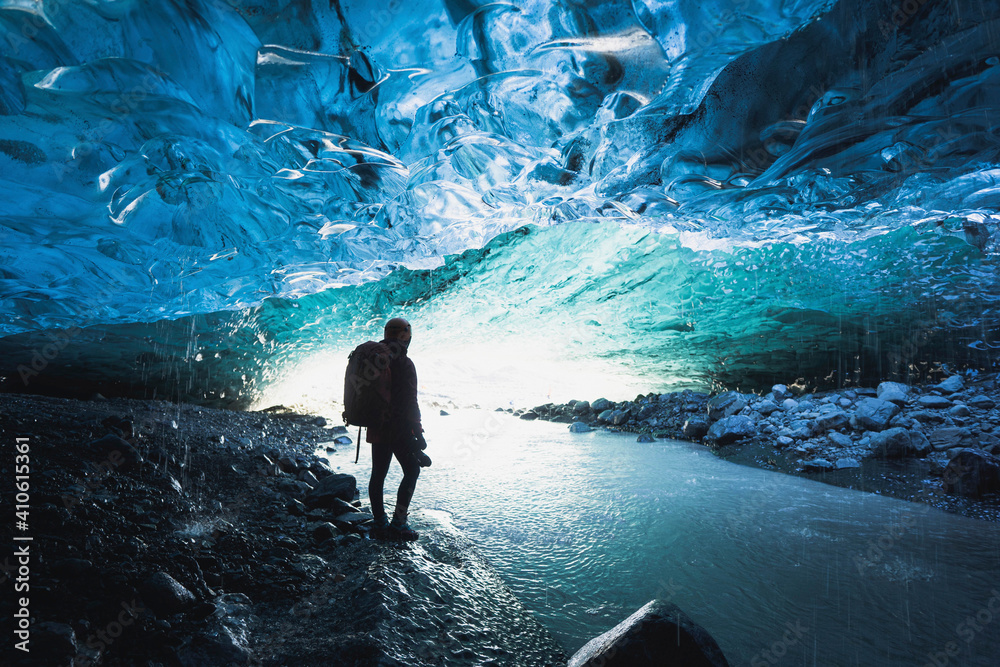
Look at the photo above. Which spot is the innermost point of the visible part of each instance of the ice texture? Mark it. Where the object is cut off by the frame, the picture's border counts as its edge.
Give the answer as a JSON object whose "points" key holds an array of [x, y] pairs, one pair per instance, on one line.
{"points": [[184, 158]]}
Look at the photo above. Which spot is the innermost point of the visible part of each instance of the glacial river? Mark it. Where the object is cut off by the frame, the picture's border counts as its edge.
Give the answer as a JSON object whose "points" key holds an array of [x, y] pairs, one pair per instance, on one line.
{"points": [[585, 528]]}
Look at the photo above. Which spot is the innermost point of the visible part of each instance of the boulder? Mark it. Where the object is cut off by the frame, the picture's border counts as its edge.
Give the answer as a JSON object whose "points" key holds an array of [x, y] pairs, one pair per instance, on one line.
{"points": [[817, 465], [982, 402], [605, 416], [846, 462], [873, 414], [336, 485], [951, 385], [600, 405], [789, 404], [730, 429], [644, 437], [766, 407], [947, 437], [165, 595], [972, 473], [887, 387], [893, 443], [780, 392], [115, 453], [839, 439], [934, 402], [959, 410], [220, 648], [582, 407], [919, 443], [833, 420], [657, 634], [725, 404], [695, 429], [579, 427]]}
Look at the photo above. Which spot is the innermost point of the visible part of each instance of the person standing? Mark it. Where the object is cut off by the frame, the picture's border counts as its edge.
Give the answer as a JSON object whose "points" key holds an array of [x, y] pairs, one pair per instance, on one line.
{"points": [[401, 436]]}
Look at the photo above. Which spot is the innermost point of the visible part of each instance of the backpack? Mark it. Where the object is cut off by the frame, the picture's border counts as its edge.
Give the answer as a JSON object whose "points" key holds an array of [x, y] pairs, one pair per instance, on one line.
{"points": [[367, 387]]}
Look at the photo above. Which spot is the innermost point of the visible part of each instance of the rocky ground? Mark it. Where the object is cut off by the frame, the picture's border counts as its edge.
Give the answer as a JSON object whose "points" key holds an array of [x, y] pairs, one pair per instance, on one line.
{"points": [[936, 443], [167, 534]]}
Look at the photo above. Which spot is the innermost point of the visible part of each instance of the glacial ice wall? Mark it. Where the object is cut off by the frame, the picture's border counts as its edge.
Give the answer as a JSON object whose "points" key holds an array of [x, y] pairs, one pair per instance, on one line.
{"points": [[726, 188]]}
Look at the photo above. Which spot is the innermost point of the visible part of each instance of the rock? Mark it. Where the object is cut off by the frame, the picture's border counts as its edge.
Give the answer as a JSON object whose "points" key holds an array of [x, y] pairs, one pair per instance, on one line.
{"points": [[695, 428], [582, 407], [846, 462], [950, 436], [730, 429], [529, 415], [766, 407], [784, 441], [780, 392], [619, 417], [951, 385], [443, 413], [351, 520], [873, 414], [657, 634], [789, 404], [972, 473], [835, 420], [920, 444], [893, 443], [579, 427], [605, 416], [319, 421], [644, 437], [165, 595], [845, 402], [220, 649], [600, 405], [816, 465], [959, 411], [342, 440], [894, 392], [725, 404], [52, 644], [935, 402], [839, 439], [982, 402], [115, 453], [309, 477], [336, 485], [324, 531], [72, 567], [926, 417]]}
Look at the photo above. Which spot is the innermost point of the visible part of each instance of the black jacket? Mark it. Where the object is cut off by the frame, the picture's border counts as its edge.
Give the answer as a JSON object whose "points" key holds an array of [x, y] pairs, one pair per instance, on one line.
{"points": [[404, 413]]}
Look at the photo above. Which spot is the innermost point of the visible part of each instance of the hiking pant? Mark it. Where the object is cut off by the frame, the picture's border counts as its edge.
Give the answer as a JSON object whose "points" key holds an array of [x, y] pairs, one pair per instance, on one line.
{"points": [[382, 453]]}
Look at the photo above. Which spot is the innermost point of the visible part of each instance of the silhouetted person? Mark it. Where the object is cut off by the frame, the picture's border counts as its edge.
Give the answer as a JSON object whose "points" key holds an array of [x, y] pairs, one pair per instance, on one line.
{"points": [[400, 436]]}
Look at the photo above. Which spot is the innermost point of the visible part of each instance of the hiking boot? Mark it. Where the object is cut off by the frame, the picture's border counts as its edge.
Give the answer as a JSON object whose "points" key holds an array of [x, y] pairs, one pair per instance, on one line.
{"points": [[401, 530], [380, 527]]}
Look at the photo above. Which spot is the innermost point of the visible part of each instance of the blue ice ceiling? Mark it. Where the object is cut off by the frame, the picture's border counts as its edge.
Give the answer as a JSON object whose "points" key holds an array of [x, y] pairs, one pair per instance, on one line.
{"points": [[714, 192]]}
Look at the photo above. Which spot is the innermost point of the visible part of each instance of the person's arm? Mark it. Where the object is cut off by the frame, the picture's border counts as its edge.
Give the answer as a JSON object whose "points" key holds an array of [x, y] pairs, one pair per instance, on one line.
{"points": [[405, 388]]}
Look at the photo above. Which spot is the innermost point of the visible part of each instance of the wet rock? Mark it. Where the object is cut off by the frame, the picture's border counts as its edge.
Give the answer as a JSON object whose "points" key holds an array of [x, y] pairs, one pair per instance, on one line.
{"points": [[789, 404], [947, 437], [834, 420], [725, 404], [873, 414], [695, 429], [220, 649], [959, 411], [839, 439], [817, 465], [982, 402], [784, 441], [972, 473], [52, 644], [619, 417], [351, 521], [951, 385], [926, 417], [579, 427], [846, 462], [116, 453], [766, 407], [343, 440], [600, 405], [325, 531], [605, 416], [730, 429], [529, 415], [582, 407], [72, 568], [165, 595], [893, 443], [934, 402], [657, 634], [644, 437], [780, 392], [329, 488]]}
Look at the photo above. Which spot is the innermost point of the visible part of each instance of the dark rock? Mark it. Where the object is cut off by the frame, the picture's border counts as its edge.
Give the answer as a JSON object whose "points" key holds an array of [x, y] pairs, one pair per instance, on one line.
{"points": [[343, 440], [349, 521], [72, 567], [165, 595], [951, 385], [695, 428], [834, 420], [873, 414], [600, 405], [52, 644], [529, 415], [619, 417], [329, 488], [657, 634], [219, 649], [893, 443], [116, 453], [730, 429], [934, 402], [959, 411], [846, 462], [725, 404], [605, 416], [644, 437], [579, 427], [288, 464], [766, 407], [817, 465], [894, 392], [582, 407], [950, 436], [319, 421], [972, 473], [982, 402], [780, 392], [324, 531], [926, 417], [444, 413], [839, 439]]}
